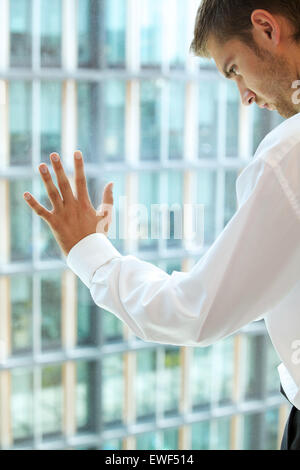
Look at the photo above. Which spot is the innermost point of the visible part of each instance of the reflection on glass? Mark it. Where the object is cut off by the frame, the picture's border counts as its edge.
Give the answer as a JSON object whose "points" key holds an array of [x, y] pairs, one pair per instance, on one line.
{"points": [[112, 390], [176, 207], [21, 313], [20, 221], [171, 381], [177, 32], [208, 119], [232, 121], [88, 316], [206, 195], [20, 14], [114, 121], [145, 385], [271, 426], [22, 404], [146, 441], [51, 99], [151, 33], [51, 28], [85, 396], [51, 412], [201, 378], [230, 196], [20, 115], [148, 195], [200, 433], [176, 120], [150, 133], [51, 300], [87, 120]]}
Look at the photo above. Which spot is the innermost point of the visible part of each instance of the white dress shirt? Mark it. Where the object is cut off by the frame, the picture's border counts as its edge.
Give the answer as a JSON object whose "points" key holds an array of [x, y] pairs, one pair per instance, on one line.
{"points": [[251, 271]]}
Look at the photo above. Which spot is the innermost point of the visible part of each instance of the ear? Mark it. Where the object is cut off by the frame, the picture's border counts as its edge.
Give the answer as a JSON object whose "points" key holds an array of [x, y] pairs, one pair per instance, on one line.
{"points": [[266, 26]]}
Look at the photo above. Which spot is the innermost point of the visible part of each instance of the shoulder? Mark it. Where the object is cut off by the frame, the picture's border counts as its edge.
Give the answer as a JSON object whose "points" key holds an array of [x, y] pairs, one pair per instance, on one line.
{"points": [[280, 141]]}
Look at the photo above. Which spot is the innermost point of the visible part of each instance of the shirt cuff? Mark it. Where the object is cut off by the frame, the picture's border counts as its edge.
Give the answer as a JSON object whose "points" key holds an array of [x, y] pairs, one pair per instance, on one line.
{"points": [[89, 254]]}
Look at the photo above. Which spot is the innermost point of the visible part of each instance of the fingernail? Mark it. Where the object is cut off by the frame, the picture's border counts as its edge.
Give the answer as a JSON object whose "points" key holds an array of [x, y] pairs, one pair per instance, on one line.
{"points": [[78, 155], [27, 196], [44, 169], [55, 157]]}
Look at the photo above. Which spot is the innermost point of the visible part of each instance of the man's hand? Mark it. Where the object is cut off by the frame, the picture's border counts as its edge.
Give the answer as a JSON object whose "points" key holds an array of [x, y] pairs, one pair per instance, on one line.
{"points": [[73, 217]]}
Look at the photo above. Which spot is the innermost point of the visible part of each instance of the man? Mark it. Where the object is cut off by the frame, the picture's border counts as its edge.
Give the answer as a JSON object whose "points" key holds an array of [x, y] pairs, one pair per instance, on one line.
{"points": [[252, 271]]}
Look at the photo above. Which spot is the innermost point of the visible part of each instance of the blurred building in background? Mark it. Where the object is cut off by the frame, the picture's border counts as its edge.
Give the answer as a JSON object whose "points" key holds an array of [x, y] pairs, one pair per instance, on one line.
{"points": [[114, 78]]}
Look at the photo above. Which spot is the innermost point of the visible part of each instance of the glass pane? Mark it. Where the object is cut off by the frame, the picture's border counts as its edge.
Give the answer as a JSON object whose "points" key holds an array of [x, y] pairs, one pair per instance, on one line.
{"points": [[208, 119], [115, 32], [151, 33], [51, 99], [113, 444], [85, 396], [271, 426], [175, 204], [51, 301], [146, 441], [111, 327], [230, 196], [114, 121], [51, 413], [20, 33], [171, 381], [51, 33], [145, 385], [251, 432], [224, 370], [178, 33], [221, 436], [21, 313], [169, 439], [206, 195], [88, 119], [21, 244], [200, 433], [88, 314], [112, 390], [22, 404], [261, 125], [150, 133], [176, 120], [20, 115], [89, 20], [201, 378], [232, 121], [148, 195], [254, 346]]}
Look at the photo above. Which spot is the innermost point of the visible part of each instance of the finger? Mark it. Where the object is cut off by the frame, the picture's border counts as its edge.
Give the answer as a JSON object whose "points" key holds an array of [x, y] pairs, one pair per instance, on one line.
{"points": [[80, 179], [40, 210], [52, 190], [107, 200], [62, 180]]}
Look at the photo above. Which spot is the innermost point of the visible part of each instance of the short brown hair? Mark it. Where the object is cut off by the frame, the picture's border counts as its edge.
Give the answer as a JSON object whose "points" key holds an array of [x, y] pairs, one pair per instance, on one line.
{"points": [[231, 19]]}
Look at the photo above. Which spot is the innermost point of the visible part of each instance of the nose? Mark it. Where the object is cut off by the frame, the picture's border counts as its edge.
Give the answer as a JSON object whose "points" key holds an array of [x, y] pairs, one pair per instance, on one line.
{"points": [[247, 96]]}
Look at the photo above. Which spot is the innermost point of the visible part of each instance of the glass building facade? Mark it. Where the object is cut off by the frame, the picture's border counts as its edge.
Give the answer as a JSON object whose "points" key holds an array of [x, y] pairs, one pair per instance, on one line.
{"points": [[114, 78]]}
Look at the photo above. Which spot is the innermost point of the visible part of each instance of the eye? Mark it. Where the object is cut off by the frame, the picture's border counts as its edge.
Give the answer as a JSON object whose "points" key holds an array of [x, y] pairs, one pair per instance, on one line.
{"points": [[233, 71]]}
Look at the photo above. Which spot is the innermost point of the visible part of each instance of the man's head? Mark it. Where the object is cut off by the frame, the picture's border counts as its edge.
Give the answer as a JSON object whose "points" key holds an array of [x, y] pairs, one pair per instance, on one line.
{"points": [[257, 44]]}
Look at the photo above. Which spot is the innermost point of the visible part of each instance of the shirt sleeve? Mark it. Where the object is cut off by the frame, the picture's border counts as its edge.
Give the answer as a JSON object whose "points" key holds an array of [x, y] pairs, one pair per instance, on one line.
{"points": [[252, 264]]}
